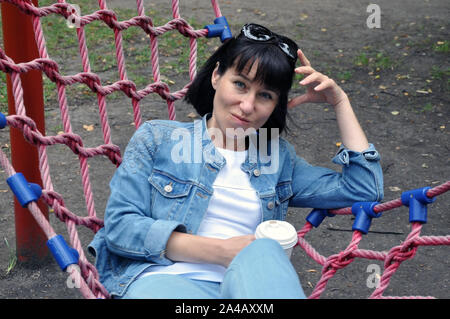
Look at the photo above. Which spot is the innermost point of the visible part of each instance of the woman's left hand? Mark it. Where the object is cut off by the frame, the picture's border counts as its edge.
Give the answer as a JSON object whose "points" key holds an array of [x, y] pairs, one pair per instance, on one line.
{"points": [[319, 87]]}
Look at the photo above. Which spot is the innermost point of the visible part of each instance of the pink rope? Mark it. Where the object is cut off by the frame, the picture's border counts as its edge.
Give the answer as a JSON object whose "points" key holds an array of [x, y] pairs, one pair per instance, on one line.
{"points": [[50, 233], [334, 263], [392, 259], [87, 189], [215, 5], [90, 285]]}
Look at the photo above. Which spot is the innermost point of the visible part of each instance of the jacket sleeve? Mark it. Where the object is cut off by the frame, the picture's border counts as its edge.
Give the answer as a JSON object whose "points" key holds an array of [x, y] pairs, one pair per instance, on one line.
{"points": [[130, 230], [361, 180]]}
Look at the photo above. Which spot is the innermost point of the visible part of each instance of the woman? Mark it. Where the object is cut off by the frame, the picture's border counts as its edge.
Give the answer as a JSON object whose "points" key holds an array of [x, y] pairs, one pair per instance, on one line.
{"points": [[187, 198]]}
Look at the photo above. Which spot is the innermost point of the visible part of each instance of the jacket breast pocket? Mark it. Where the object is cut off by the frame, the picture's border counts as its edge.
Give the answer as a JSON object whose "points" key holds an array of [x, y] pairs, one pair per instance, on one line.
{"points": [[283, 193], [169, 196]]}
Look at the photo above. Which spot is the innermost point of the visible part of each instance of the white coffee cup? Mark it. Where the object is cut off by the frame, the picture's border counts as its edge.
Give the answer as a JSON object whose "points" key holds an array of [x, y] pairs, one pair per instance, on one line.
{"points": [[281, 231]]}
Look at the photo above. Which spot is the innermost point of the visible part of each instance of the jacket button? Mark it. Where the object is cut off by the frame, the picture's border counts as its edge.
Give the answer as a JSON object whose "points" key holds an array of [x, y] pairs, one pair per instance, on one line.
{"points": [[168, 188], [270, 205], [256, 172]]}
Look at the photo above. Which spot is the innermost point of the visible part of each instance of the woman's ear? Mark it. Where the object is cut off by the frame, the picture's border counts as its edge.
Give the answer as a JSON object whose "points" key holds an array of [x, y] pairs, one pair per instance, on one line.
{"points": [[215, 76]]}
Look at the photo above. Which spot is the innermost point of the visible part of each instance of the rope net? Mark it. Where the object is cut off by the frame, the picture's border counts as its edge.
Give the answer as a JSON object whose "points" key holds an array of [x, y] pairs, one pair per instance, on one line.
{"points": [[86, 274]]}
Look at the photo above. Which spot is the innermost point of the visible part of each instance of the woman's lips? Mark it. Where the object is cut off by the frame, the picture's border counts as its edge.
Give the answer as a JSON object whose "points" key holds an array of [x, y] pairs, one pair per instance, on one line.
{"points": [[239, 119]]}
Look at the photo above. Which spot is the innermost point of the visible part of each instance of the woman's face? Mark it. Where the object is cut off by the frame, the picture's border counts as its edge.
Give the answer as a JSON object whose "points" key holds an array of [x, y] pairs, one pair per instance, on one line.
{"points": [[240, 102]]}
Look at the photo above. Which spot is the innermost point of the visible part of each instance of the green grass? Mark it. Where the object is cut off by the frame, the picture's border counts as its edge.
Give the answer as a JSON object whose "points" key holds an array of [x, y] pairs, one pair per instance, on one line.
{"points": [[442, 75], [362, 60], [382, 61], [428, 107], [374, 61], [439, 74], [344, 75], [441, 46], [12, 260], [3, 94]]}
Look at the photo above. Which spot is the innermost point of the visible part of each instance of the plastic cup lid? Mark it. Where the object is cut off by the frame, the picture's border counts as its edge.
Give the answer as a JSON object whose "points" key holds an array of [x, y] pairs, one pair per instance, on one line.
{"points": [[281, 231]]}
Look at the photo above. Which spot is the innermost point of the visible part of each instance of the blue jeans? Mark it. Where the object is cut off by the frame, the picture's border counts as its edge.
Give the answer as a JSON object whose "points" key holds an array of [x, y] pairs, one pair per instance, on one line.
{"points": [[261, 270]]}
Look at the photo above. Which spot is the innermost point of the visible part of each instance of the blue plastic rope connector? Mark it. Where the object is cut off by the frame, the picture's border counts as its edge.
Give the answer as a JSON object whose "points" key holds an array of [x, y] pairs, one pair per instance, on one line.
{"points": [[317, 216], [63, 253], [25, 192], [219, 28], [364, 213], [417, 201], [2, 121]]}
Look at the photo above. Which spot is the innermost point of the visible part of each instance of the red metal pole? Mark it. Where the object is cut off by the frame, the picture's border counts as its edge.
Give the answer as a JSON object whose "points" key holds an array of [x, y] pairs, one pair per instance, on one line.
{"points": [[20, 45]]}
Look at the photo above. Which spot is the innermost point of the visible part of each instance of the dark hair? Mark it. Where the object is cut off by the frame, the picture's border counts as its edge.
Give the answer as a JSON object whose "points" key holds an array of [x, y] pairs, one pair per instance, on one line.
{"points": [[275, 70]]}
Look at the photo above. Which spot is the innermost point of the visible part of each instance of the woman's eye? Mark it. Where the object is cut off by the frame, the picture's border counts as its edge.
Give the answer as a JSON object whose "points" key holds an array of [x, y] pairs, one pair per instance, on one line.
{"points": [[239, 84], [266, 96]]}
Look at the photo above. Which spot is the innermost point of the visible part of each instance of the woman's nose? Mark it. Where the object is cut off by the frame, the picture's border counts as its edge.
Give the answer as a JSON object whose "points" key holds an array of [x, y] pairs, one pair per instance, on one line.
{"points": [[247, 103]]}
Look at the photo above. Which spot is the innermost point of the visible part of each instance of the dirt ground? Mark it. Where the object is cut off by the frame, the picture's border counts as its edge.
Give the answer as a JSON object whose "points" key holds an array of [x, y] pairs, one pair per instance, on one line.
{"points": [[397, 77]]}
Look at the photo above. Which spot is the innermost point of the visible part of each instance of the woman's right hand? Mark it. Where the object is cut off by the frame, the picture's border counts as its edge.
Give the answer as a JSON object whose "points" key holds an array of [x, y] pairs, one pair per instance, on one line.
{"points": [[232, 246], [199, 249]]}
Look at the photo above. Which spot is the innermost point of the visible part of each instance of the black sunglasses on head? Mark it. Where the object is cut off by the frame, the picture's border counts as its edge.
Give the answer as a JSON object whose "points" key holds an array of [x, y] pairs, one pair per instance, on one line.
{"points": [[257, 32]]}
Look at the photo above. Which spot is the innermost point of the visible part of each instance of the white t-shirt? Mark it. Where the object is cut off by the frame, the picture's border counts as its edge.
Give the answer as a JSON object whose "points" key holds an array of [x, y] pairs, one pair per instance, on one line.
{"points": [[234, 210]]}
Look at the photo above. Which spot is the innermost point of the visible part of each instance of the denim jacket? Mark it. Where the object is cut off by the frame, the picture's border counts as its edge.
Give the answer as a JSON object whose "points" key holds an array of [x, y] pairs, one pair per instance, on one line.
{"points": [[164, 184]]}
